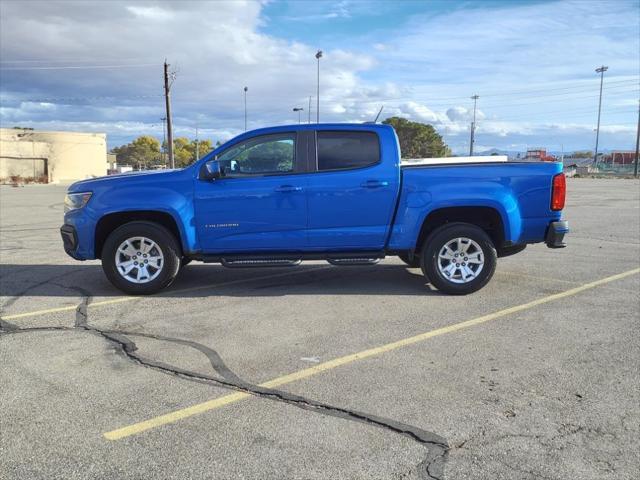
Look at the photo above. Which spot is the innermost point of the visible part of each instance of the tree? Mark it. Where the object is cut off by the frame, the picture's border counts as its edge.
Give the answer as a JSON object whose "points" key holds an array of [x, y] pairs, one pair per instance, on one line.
{"points": [[184, 150], [418, 140], [583, 154], [181, 152], [142, 152]]}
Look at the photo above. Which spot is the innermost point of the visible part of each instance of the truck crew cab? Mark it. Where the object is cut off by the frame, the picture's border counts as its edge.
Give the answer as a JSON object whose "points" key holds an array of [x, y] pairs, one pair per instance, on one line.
{"points": [[336, 192]]}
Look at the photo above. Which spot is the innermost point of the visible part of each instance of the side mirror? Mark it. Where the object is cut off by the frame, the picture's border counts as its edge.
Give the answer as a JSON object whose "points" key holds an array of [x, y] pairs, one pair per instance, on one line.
{"points": [[211, 170]]}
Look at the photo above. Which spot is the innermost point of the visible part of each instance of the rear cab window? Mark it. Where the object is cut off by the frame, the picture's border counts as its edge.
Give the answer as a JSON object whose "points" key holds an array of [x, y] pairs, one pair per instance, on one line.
{"points": [[339, 150]]}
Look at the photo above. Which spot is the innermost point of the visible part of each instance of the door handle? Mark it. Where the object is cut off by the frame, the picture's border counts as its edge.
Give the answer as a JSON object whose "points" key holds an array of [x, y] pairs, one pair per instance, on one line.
{"points": [[374, 184], [288, 188]]}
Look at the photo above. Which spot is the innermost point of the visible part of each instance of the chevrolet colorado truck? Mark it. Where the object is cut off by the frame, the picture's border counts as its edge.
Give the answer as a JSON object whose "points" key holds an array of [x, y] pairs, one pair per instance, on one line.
{"points": [[335, 192]]}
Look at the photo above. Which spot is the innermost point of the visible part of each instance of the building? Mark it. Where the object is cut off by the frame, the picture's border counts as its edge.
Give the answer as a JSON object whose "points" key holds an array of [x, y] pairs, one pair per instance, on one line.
{"points": [[619, 158], [539, 154], [51, 157], [112, 165]]}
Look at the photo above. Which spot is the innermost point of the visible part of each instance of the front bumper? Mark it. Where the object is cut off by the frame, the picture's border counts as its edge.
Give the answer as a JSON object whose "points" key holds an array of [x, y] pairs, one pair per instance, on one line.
{"points": [[555, 234], [70, 241]]}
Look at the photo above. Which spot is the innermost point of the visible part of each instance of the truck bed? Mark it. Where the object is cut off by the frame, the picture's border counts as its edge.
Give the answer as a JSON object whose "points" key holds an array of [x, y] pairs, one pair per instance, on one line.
{"points": [[519, 191]]}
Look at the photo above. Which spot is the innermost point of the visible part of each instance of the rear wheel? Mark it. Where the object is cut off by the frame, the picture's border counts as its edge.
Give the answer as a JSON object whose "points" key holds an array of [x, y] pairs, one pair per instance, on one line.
{"points": [[141, 258], [459, 258]]}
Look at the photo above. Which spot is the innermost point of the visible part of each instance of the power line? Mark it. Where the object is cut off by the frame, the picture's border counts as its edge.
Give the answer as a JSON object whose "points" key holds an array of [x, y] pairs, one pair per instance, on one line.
{"points": [[588, 111], [568, 96], [82, 67], [79, 99], [69, 61], [519, 92]]}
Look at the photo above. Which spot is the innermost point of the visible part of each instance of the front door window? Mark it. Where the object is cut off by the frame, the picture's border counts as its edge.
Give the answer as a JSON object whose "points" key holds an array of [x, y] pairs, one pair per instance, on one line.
{"points": [[272, 154]]}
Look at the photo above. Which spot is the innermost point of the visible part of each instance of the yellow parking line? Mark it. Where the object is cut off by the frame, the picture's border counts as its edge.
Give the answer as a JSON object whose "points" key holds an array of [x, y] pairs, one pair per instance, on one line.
{"points": [[337, 362], [71, 308]]}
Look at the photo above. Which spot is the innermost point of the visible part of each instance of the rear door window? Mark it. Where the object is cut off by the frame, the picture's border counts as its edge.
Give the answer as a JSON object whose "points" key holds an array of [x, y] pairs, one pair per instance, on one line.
{"points": [[342, 150]]}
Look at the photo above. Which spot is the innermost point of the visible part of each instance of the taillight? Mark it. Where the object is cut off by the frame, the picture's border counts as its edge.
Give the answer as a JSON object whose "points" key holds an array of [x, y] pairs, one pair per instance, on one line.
{"points": [[558, 192]]}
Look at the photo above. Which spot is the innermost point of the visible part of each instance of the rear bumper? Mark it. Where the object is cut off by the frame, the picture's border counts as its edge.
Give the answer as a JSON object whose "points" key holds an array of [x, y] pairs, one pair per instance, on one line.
{"points": [[70, 241], [555, 234]]}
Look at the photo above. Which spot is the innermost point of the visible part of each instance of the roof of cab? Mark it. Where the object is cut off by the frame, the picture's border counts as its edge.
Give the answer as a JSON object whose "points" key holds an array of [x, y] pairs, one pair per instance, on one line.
{"points": [[315, 126]]}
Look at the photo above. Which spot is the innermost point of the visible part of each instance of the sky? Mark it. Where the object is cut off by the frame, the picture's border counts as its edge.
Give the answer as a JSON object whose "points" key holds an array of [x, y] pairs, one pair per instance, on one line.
{"points": [[97, 66]]}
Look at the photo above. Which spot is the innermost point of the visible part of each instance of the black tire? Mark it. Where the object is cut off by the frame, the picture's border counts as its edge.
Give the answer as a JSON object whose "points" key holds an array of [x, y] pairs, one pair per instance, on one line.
{"points": [[413, 262], [164, 240], [436, 243]]}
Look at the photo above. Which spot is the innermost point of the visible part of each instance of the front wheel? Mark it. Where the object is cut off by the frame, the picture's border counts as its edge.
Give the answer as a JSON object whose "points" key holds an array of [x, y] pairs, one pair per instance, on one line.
{"points": [[459, 258], [141, 258]]}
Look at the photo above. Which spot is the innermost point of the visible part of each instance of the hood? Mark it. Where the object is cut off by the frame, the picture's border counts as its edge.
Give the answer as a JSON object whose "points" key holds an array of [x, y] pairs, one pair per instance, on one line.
{"points": [[90, 183]]}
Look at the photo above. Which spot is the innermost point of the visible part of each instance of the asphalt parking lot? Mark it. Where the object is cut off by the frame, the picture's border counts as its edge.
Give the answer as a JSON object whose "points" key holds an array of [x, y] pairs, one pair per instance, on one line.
{"points": [[324, 372]]}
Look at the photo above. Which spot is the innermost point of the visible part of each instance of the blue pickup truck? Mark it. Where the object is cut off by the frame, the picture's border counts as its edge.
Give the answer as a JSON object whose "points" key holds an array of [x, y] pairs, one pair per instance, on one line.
{"points": [[334, 192]]}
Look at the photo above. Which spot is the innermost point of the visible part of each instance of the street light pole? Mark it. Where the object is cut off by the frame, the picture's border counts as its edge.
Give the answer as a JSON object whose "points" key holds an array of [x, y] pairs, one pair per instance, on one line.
{"points": [[245, 108], [309, 110], [601, 71], [473, 125], [635, 168], [298, 109], [318, 57]]}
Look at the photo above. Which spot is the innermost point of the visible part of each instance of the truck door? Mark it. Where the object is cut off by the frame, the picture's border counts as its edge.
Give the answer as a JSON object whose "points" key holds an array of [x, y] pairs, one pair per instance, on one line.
{"points": [[352, 193], [260, 202]]}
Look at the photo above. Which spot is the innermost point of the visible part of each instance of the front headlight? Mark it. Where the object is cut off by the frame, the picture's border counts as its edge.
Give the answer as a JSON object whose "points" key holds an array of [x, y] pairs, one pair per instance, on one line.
{"points": [[73, 201]]}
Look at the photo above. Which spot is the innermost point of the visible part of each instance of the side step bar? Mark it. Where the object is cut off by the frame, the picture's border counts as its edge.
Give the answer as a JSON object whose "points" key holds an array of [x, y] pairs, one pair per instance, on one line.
{"points": [[247, 263], [284, 259], [348, 262]]}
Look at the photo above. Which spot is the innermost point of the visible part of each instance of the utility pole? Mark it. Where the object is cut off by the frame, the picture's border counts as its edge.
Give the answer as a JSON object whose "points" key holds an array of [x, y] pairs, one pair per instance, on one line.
{"points": [[197, 145], [473, 125], [298, 109], [318, 57], [167, 98], [601, 71], [635, 167], [309, 110], [164, 141], [245, 108]]}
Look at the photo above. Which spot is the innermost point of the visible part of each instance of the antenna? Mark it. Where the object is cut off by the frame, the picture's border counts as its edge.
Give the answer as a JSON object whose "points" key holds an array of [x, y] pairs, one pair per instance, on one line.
{"points": [[378, 115]]}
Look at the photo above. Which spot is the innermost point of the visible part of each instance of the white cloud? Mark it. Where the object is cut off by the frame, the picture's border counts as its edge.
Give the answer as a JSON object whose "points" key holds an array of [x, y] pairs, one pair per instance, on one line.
{"points": [[152, 13], [424, 71], [216, 47]]}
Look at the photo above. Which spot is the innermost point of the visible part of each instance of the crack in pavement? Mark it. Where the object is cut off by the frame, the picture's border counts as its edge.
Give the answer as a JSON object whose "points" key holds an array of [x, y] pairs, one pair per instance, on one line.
{"points": [[432, 467], [14, 298]]}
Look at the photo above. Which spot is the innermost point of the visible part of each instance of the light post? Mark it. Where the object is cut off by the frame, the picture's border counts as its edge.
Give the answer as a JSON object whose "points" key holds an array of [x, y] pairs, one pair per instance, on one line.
{"points": [[473, 125], [298, 109], [601, 71], [245, 108], [635, 162], [318, 57]]}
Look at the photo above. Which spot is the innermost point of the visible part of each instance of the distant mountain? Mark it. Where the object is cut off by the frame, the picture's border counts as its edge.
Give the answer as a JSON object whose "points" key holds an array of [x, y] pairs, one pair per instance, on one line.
{"points": [[497, 151]]}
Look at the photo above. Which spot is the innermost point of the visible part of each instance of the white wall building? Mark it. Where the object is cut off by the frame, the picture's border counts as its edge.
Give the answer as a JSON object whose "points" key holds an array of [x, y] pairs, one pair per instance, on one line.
{"points": [[51, 157]]}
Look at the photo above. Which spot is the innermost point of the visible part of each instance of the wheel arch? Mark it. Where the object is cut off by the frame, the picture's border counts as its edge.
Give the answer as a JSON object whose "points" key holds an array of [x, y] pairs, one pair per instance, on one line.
{"points": [[487, 218], [109, 222]]}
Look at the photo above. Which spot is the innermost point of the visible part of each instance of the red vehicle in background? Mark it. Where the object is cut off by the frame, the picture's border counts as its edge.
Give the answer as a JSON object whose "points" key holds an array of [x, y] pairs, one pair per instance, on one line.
{"points": [[539, 154]]}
